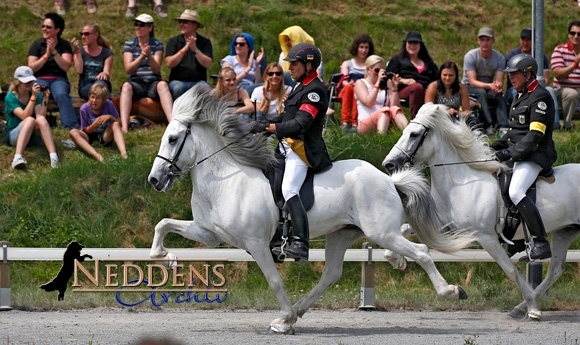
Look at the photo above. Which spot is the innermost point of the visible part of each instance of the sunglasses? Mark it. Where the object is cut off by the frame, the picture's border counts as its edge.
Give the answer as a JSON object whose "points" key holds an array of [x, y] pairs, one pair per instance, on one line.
{"points": [[241, 44], [270, 74], [140, 24], [85, 33], [377, 70], [574, 33], [184, 21], [47, 27]]}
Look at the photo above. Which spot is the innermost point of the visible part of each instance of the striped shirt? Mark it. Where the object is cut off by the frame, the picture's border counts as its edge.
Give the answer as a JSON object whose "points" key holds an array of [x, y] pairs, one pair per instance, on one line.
{"points": [[144, 71], [563, 56]]}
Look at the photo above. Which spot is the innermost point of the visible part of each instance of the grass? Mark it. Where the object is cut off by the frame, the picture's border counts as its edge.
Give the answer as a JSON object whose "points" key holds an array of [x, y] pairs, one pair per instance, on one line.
{"points": [[112, 205]]}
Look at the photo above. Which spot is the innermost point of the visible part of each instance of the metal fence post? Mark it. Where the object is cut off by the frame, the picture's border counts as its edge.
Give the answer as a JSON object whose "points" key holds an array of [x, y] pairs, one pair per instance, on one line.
{"points": [[534, 273], [5, 290], [367, 290]]}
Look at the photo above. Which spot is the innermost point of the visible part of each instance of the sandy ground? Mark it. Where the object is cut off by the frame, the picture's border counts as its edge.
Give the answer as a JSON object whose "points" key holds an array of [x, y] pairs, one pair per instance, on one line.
{"points": [[343, 327]]}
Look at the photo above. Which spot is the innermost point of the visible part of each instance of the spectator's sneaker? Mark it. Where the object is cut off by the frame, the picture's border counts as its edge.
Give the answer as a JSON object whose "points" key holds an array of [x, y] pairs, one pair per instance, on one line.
{"points": [[59, 8], [160, 10], [131, 12], [19, 163], [91, 6], [54, 163]]}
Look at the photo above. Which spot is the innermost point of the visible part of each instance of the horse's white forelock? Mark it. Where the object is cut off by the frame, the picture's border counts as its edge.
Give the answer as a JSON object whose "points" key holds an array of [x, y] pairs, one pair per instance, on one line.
{"points": [[200, 106], [470, 145]]}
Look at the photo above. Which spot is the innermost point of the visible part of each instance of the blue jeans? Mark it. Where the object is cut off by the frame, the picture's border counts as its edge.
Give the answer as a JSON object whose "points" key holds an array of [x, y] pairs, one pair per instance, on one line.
{"points": [[511, 93], [178, 87], [59, 90], [483, 96], [86, 86]]}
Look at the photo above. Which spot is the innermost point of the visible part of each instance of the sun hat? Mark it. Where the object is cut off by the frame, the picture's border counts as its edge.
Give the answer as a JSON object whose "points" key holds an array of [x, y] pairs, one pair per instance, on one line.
{"points": [[144, 18], [24, 74], [191, 16]]}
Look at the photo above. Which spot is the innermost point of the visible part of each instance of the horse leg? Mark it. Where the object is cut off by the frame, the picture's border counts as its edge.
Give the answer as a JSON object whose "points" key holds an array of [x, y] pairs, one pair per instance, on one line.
{"points": [[336, 245], [396, 260], [560, 243], [261, 254], [185, 228]]}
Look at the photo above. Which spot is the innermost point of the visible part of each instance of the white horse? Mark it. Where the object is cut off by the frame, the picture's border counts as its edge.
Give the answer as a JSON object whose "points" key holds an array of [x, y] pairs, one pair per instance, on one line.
{"points": [[232, 201], [467, 192]]}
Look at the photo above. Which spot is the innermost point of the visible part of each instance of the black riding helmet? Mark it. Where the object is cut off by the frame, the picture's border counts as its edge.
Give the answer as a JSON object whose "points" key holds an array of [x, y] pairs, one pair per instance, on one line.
{"points": [[523, 63], [305, 52]]}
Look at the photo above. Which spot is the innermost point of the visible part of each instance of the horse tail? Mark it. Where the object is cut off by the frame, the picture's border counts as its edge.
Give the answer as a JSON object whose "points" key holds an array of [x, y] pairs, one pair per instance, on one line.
{"points": [[422, 214]]}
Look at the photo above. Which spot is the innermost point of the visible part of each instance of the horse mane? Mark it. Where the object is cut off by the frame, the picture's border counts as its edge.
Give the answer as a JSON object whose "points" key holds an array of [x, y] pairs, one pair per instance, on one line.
{"points": [[470, 146], [200, 106]]}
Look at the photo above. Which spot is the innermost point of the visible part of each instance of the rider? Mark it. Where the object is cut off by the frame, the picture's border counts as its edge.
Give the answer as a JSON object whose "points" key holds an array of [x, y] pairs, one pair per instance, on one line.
{"points": [[529, 144], [299, 130]]}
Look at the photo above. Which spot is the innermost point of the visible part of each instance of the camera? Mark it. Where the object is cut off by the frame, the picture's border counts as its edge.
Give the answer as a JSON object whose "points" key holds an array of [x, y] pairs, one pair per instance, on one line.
{"points": [[390, 75], [43, 88], [383, 83]]}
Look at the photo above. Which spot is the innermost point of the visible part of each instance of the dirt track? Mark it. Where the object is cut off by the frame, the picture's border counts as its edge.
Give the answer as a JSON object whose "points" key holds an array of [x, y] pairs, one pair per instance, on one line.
{"points": [[121, 326]]}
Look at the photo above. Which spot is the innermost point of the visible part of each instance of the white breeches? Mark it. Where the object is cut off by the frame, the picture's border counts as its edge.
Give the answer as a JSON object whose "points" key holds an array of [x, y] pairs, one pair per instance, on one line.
{"points": [[294, 172], [525, 173]]}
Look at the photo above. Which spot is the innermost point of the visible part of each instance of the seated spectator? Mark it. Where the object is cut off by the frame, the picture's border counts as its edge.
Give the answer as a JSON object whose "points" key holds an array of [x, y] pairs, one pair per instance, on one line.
{"points": [[483, 74], [50, 57], [270, 97], [243, 61], [99, 122], [238, 96], [376, 109], [362, 47], [93, 60], [189, 55], [448, 91], [26, 124], [565, 64], [158, 8], [288, 38], [142, 58], [526, 48], [416, 69]]}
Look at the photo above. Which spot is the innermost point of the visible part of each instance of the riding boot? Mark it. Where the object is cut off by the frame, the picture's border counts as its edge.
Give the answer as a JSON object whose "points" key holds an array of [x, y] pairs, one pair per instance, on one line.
{"points": [[300, 231], [533, 219]]}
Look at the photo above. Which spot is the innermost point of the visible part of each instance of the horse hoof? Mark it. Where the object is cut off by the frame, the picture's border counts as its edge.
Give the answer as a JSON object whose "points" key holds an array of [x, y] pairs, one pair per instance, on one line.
{"points": [[279, 327], [517, 313], [170, 260], [535, 314], [462, 292]]}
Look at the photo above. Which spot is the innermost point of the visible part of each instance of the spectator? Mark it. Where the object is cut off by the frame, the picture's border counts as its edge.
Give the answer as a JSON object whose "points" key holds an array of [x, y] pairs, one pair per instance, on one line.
{"points": [[159, 9], [60, 9], [99, 122], [526, 48], [416, 69], [238, 96], [448, 91], [93, 60], [50, 57], [142, 58], [189, 55], [26, 124], [270, 97], [483, 74], [371, 93], [288, 38], [565, 63], [362, 47], [244, 62]]}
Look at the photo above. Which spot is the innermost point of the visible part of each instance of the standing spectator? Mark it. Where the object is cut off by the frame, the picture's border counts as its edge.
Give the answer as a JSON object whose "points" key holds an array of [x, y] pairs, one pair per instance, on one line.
{"points": [[189, 55], [270, 97], [565, 60], [362, 47], [59, 7], [142, 57], [526, 48], [288, 38], [244, 62], [159, 9], [237, 96], [99, 122], [26, 124], [50, 57], [448, 91], [377, 98], [483, 74], [416, 69], [93, 60]]}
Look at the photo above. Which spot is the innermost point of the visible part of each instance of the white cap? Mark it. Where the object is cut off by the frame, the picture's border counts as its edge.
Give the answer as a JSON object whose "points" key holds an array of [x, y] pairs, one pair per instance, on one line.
{"points": [[24, 74], [144, 18]]}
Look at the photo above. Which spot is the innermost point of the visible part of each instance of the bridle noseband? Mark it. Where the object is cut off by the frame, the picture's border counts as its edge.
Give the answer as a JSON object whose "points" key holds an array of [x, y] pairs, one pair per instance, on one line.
{"points": [[407, 163]]}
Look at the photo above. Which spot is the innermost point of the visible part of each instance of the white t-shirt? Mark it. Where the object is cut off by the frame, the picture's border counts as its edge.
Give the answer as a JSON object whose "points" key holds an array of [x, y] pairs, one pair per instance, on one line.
{"points": [[381, 101], [258, 96]]}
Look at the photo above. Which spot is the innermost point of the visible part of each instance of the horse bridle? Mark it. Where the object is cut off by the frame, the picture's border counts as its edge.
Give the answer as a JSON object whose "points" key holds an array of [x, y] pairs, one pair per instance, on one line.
{"points": [[407, 163], [173, 168]]}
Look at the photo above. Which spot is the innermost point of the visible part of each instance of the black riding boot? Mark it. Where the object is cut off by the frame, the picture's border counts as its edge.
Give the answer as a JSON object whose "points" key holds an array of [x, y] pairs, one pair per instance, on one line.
{"points": [[533, 219], [299, 248]]}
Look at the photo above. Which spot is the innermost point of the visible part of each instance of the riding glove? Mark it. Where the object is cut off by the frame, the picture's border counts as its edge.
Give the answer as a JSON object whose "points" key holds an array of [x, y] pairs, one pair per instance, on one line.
{"points": [[503, 155], [259, 126]]}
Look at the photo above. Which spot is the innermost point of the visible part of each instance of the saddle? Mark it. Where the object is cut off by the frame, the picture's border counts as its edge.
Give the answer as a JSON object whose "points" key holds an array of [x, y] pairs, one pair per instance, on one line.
{"points": [[512, 217]]}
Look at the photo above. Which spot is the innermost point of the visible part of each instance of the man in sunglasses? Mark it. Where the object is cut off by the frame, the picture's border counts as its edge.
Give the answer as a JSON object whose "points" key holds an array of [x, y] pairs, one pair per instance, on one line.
{"points": [[565, 60], [189, 55]]}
